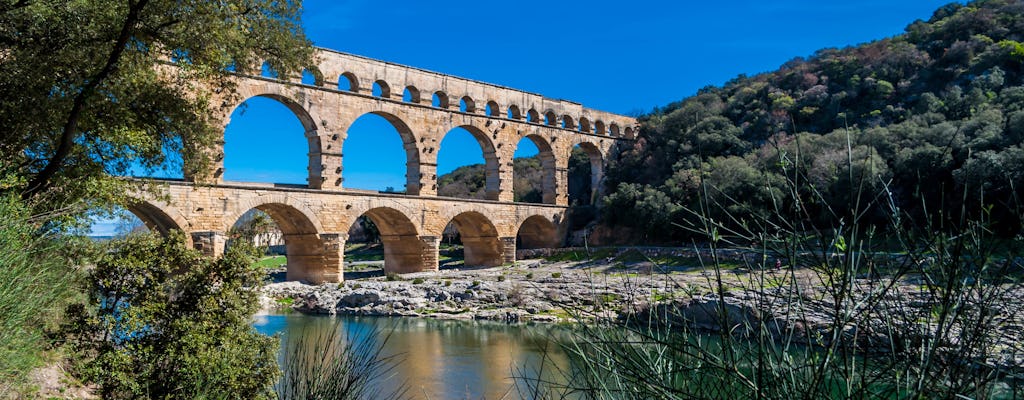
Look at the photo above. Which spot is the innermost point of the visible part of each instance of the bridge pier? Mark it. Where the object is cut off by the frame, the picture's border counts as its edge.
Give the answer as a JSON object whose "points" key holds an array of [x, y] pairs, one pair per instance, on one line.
{"points": [[508, 249], [210, 243], [315, 258]]}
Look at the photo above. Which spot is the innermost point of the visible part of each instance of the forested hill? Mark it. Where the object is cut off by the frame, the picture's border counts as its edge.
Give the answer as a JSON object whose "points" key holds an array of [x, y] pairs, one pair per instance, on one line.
{"points": [[935, 116]]}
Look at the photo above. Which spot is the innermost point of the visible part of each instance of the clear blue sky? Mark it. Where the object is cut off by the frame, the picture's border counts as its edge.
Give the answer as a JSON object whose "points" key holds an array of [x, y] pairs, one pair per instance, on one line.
{"points": [[618, 56]]}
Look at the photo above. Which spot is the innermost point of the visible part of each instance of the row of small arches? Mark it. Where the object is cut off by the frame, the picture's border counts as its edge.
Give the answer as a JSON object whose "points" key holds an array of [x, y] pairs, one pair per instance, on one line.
{"points": [[439, 99]]}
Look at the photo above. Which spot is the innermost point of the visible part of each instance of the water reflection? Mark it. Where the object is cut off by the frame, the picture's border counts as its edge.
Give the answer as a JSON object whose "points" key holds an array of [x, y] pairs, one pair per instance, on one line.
{"points": [[446, 359]]}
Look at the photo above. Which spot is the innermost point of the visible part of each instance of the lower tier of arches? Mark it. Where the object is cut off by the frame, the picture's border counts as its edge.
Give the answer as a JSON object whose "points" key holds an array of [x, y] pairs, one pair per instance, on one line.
{"points": [[314, 225]]}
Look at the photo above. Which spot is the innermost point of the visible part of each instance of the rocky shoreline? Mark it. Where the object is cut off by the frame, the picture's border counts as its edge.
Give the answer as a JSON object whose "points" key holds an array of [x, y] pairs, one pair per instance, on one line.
{"points": [[688, 296]]}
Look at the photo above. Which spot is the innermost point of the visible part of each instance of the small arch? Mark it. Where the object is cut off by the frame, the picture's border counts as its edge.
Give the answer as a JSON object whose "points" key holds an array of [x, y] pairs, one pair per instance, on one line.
{"points": [[514, 113], [585, 125], [439, 100], [348, 82], [309, 78], [411, 95], [492, 109], [613, 129], [630, 133], [267, 71], [532, 116], [381, 89], [467, 105], [479, 237], [599, 128], [550, 118], [536, 232], [567, 122]]}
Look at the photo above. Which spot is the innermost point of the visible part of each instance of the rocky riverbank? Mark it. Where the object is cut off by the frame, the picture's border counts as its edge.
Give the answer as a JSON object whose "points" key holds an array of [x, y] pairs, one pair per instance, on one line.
{"points": [[782, 302]]}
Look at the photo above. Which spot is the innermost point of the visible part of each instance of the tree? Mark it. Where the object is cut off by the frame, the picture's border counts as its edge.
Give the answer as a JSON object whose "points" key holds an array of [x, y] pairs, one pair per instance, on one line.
{"points": [[92, 89], [165, 322]]}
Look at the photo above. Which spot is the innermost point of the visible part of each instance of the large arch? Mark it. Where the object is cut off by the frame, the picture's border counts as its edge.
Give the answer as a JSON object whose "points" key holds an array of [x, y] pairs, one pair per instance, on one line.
{"points": [[549, 191], [480, 242], [412, 154], [536, 232], [158, 218], [306, 119], [403, 249], [491, 166], [308, 258], [596, 168]]}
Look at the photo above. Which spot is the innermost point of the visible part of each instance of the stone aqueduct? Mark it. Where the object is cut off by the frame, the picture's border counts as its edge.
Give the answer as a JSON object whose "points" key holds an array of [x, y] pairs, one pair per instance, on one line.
{"points": [[423, 106]]}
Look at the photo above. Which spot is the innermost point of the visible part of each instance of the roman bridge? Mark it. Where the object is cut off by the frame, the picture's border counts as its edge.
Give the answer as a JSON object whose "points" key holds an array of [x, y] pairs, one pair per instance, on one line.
{"points": [[423, 107]]}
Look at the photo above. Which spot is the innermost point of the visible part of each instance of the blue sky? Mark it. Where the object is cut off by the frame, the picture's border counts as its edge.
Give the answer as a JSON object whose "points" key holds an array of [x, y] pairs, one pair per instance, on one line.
{"points": [[617, 56]]}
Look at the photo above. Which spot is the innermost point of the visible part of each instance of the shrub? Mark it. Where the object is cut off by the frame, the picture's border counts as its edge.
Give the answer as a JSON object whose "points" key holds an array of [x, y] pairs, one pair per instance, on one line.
{"points": [[501, 278], [556, 275], [164, 321], [417, 281]]}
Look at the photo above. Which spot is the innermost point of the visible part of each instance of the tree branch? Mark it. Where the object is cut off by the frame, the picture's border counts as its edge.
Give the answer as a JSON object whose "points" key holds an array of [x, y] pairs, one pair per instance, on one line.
{"points": [[42, 180]]}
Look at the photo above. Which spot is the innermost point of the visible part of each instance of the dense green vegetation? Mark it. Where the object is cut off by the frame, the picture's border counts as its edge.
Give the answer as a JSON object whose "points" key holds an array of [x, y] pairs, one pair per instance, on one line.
{"points": [[36, 281], [162, 321], [469, 182], [929, 121]]}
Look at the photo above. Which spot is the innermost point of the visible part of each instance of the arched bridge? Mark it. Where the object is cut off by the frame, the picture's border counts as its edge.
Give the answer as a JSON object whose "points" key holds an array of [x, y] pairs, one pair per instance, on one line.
{"points": [[423, 107]]}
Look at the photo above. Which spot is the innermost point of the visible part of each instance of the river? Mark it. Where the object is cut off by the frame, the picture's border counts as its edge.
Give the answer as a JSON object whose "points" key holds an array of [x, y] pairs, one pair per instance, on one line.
{"points": [[442, 359]]}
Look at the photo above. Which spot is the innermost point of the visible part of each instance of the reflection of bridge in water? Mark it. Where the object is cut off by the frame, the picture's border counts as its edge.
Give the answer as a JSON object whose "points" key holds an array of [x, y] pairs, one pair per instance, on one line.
{"points": [[315, 218]]}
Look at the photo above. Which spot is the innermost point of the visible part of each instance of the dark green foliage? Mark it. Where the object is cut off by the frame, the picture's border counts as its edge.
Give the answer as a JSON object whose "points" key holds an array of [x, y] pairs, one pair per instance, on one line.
{"points": [[163, 321], [469, 182], [86, 92], [35, 283], [933, 112]]}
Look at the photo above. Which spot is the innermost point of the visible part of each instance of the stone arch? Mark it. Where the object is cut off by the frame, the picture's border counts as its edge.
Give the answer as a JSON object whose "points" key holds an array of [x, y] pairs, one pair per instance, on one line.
{"points": [[404, 251], [536, 232], [599, 127], [411, 95], [550, 118], [596, 167], [350, 78], [467, 105], [630, 133], [308, 257], [381, 89], [514, 112], [439, 100], [613, 129], [585, 125], [158, 218], [480, 242], [306, 117], [548, 164], [491, 165], [533, 116], [412, 154], [567, 122], [492, 109]]}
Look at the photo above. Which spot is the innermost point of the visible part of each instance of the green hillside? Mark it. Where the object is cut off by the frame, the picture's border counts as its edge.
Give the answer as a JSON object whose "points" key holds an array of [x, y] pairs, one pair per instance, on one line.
{"points": [[928, 123]]}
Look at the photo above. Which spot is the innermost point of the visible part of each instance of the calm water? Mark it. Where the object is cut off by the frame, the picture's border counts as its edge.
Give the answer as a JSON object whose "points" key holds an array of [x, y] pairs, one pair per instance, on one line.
{"points": [[445, 359]]}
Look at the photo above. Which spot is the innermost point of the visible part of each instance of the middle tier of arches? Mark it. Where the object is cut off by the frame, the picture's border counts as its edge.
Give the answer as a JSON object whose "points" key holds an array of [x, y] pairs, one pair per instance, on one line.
{"points": [[327, 117]]}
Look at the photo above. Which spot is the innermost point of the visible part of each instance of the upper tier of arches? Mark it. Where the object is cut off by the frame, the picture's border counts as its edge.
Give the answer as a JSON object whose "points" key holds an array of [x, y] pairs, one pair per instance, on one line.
{"points": [[350, 73]]}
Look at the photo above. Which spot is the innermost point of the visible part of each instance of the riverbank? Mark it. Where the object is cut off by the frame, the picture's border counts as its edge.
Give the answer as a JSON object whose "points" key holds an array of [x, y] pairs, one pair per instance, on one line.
{"points": [[740, 296]]}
